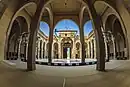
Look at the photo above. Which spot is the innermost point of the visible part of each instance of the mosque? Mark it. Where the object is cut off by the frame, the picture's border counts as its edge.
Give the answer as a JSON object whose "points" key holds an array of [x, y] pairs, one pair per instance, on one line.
{"points": [[66, 57], [65, 45]]}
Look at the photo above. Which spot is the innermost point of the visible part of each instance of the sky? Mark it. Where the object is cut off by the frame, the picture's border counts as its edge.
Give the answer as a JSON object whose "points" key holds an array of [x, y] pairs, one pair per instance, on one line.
{"points": [[66, 25]]}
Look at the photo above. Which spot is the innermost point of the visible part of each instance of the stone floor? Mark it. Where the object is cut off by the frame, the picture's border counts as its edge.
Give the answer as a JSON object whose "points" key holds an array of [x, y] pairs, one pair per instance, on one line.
{"points": [[117, 75]]}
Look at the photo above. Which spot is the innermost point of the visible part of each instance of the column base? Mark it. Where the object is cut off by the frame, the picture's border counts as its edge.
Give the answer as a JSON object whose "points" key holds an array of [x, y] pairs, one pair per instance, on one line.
{"points": [[31, 67], [100, 67], [102, 70], [83, 60], [101, 64], [49, 60]]}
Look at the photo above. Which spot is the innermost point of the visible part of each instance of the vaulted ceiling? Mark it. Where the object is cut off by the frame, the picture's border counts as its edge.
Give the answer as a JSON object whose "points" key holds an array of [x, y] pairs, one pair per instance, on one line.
{"points": [[68, 7]]}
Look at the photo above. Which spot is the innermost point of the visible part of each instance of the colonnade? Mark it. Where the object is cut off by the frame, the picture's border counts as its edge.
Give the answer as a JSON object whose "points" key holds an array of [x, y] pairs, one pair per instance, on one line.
{"points": [[18, 48], [91, 49], [57, 48], [31, 44], [98, 34], [114, 48]]}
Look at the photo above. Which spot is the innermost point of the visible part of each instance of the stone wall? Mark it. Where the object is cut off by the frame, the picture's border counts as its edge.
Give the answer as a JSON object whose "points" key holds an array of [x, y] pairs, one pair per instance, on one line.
{"points": [[4, 23]]}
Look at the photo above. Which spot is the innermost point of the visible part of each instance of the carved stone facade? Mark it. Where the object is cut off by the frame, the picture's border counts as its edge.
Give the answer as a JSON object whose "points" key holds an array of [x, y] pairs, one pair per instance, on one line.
{"points": [[66, 41]]}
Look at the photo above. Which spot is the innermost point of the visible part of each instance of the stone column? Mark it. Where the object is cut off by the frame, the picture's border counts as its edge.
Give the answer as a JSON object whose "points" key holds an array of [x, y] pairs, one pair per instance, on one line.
{"points": [[106, 49], [95, 48], [45, 52], [100, 51], [114, 46], [73, 50], [42, 50], [19, 46], [87, 50], [82, 43], [26, 47], [25, 40], [53, 50], [59, 50], [38, 49], [80, 53], [91, 49], [50, 45], [80, 49], [74, 47], [33, 33]]}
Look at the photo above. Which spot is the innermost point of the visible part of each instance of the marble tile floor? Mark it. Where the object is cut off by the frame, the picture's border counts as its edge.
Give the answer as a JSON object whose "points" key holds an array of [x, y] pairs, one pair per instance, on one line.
{"points": [[117, 75]]}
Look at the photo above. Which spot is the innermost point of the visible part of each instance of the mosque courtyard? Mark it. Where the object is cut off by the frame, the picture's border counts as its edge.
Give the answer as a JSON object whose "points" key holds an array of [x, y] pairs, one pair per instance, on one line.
{"points": [[64, 43], [116, 74]]}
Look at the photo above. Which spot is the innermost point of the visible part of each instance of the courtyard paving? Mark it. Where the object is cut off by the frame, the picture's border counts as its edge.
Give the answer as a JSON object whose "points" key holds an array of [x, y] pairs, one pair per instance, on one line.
{"points": [[117, 75]]}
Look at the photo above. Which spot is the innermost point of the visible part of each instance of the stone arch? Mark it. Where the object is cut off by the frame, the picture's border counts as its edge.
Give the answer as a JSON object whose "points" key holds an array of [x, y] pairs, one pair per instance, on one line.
{"points": [[120, 41], [113, 25], [109, 28], [66, 43], [123, 18], [49, 21], [109, 23], [117, 25], [49, 1], [23, 24], [120, 45], [14, 17], [62, 19], [15, 32], [81, 15], [50, 16], [112, 12], [17, 12]]}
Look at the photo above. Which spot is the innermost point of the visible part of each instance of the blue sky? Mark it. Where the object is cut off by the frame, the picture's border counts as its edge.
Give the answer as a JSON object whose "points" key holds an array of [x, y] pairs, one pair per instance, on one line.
{"points": [[88, 27], [44, 28], [66, 25]]}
